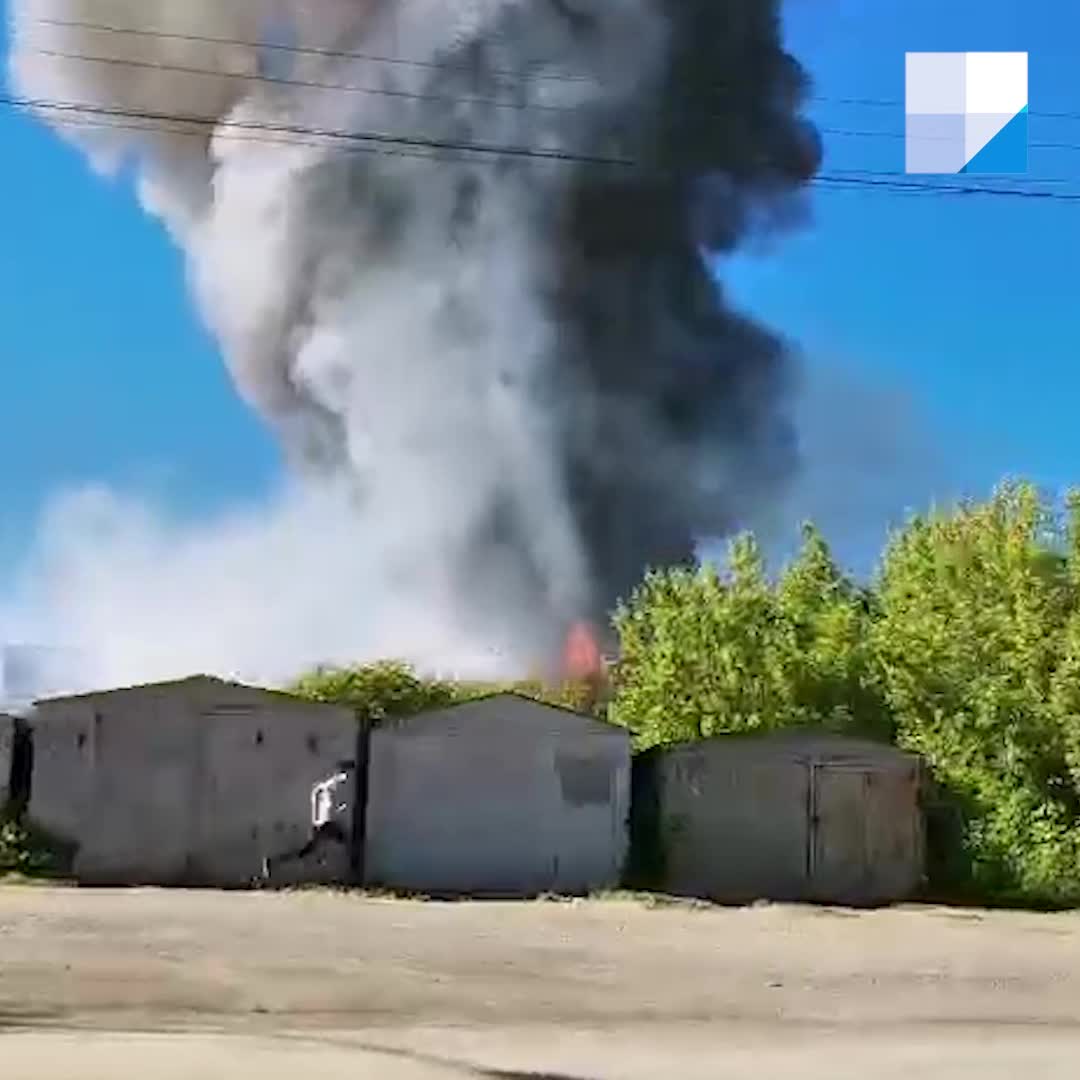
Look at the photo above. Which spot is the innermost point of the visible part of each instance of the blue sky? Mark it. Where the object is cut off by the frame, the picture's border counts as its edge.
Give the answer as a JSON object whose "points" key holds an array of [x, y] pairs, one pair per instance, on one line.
{"points": [[966, 305]]}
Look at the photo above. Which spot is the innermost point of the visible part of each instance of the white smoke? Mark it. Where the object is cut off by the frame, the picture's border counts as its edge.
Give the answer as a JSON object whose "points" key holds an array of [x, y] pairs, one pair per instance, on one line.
{"points": [[431, 429], [263, 593], [871, 458], [259, 594], [489, 463]]}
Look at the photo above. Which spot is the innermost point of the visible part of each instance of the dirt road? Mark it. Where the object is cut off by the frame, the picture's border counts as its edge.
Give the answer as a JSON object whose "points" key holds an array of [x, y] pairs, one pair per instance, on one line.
{"points": [[97, 984]]}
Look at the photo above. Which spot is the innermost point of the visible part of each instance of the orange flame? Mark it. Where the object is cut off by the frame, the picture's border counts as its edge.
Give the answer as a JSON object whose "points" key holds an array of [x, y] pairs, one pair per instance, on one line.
{"points": [[582, 659]]}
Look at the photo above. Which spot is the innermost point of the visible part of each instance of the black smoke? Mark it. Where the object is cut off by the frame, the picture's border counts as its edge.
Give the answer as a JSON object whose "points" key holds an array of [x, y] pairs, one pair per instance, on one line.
{"points": [[460, 254], [672, 390]]}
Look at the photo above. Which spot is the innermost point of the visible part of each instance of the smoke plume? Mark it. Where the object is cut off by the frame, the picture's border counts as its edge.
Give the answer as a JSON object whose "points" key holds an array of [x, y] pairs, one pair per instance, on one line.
{"points": [[454, 254]]}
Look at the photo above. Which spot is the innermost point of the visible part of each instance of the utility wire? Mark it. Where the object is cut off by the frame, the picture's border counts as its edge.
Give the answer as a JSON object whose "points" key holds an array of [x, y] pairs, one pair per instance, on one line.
{"points": [[273, 80], [1010, 178], [521, 106], [947, 188], [113, 123], [87, 115], [410, 95], [930, 138], [299, 50], [183, 69], [895, 103], [277, 128], [330, 53], [75, 122]]}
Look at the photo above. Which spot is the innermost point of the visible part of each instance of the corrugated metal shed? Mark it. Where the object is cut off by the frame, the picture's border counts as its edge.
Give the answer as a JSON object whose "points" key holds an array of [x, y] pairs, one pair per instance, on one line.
{"points": [[501, 796], [7, 749], [188, 782], [800, 815]]}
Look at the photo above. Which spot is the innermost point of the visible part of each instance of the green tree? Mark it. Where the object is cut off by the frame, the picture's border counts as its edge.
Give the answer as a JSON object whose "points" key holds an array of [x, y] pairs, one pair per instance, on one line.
{"points": [[691, 651], [1065, 686], [828, 662], [376, 691], [704, 652], [578, 695], [975, 615], [391, 688]]}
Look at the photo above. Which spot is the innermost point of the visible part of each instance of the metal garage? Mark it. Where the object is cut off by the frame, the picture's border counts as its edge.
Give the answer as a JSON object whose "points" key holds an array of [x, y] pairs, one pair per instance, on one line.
{"points": [[190, 782], [7, 751], [500, 796], [783, 816]]}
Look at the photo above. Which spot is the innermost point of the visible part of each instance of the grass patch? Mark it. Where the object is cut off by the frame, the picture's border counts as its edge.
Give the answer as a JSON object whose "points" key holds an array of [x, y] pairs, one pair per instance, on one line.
{"points": [[648, 899], [29, 853]]}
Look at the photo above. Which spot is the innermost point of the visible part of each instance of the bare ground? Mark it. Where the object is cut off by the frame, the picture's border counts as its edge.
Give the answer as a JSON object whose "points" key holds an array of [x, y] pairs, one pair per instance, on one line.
{"points": [[97, 984]]}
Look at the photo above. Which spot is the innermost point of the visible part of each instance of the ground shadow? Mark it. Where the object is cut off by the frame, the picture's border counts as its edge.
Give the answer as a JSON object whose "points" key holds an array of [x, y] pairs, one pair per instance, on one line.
{"points": [[465, 1067]]}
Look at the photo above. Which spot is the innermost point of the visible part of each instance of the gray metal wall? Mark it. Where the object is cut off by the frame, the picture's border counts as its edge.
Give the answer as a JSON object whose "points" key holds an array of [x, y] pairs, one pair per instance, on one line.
{"points": [[503, 796], [190, 782], [789, 818], [7, 746]]}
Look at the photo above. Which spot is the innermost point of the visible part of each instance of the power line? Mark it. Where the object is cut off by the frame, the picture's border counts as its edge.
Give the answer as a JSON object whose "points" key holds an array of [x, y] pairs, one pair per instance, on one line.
{"points": [[390, 92], [183, 69], [273, 80], [254, 77], [116, 122], [895, 103], [297, 50], [1009, 177], [120, 124], [930, 138], [946, 188], [340, 54], [277, 128], [94, 116], [522, 106]]}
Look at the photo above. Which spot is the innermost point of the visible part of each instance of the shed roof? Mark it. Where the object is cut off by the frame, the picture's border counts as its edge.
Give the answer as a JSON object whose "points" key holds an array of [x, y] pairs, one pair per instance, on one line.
{"points": [[483, 707], [806, 744], [170, 684]]}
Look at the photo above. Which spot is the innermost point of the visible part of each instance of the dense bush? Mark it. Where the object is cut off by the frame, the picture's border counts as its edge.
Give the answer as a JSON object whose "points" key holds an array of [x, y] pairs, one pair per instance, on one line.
{"points": [[376, 691], [391, 688], [976, 638], [28, 852], [705, 652], [965, 648]]}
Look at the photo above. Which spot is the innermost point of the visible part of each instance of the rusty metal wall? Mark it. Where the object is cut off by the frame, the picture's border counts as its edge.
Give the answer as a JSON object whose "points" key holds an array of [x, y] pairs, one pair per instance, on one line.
{"points": [[733, 828], [780, 818], [503, 796], [839, 870], [192, 783], [7, 748], [868, 832]]}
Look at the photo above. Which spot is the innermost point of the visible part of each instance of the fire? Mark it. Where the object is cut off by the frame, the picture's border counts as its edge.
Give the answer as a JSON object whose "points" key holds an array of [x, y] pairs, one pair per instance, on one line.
{"points": [[582, 659]]}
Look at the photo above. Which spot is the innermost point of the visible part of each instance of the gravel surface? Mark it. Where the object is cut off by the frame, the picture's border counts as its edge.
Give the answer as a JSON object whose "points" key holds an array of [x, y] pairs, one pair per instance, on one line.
{"points": [[190, 984]]}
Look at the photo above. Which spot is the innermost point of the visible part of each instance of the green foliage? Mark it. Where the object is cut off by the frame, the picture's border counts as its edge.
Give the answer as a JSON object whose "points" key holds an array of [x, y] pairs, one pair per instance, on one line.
{"points": [[966, 649], [581, 696], [391, 688], [27, 851], [979, 648], [376, 691], [1065, 685], [704, 653], [829, 660]]}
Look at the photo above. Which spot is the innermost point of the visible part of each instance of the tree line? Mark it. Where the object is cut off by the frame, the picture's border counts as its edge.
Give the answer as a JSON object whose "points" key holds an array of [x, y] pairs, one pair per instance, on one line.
{"points": [[963, 647]]}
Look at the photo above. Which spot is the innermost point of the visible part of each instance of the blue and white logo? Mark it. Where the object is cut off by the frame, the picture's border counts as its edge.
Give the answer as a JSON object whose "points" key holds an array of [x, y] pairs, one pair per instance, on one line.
{"points": [[967, 113]]}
